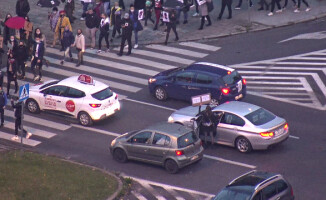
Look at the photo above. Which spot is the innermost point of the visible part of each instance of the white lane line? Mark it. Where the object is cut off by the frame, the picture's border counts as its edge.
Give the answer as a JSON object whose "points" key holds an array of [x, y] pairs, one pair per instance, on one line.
{"points": [[273, 82], [174, 194], [149, 104], [96, 130], [287, 94], [200, 46], [177, 51], [134, 60], [169, 186], [149, 188], [299, 63], [308, 58], [282, 68], [28, 142], [112, 64], [272, 87], [34, 131], [229, 161], [138, 195], [294, 137], [310, 91], [40, 121], [271, 77]]}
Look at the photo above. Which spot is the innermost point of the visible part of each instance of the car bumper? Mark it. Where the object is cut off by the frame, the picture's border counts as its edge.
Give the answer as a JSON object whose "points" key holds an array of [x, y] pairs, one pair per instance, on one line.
{"points": [[102, 114], [187, 160], [263, 144]]}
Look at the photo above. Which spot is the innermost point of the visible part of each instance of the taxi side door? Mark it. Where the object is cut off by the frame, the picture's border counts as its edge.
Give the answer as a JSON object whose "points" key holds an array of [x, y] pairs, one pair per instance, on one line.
{"points": [[53, 98], [74, 101]]}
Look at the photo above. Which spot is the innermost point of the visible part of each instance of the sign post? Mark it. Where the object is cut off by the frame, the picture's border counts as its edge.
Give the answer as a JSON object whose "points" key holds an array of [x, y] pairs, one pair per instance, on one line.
{"points": [[23, 95], [200, 100]]}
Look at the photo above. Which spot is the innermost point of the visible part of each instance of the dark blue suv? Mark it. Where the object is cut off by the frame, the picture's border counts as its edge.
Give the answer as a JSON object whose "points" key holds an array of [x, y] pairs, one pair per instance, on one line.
{"points": [[223, 83]]}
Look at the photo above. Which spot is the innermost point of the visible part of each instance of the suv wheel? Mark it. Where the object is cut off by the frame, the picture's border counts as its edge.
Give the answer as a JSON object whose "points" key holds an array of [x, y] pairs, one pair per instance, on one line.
{"points": [[160, 93], [171, 166], [32, 106], [120, 155], [243, 145], [85, 119]]}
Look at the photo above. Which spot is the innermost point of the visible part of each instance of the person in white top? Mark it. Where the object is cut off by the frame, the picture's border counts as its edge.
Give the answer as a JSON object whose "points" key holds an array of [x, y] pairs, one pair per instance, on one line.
{"points": [[80, 46], [104, 32]]}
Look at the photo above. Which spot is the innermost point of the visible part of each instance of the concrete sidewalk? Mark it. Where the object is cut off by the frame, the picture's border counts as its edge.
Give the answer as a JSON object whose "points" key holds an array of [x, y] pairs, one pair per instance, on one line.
{"points": [[243, 20]]}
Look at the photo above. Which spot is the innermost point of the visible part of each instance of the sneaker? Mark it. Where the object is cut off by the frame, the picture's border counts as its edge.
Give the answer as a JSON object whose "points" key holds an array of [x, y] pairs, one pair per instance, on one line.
{"points": [[308, 9], [237, 8], [270, 14], [107, 50], [15, 137], [136, 46], [297, 10], [82, 18], [28, 135], [36, 77], [127, 46], [99, 51], [195, 14], [279, 11]]}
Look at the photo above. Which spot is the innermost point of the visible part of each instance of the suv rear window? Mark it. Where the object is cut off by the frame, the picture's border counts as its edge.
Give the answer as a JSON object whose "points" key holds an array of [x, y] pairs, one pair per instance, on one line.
{"points": [[232, 78], [187, 139], [103, 94], [260, 116], [235, 193]]}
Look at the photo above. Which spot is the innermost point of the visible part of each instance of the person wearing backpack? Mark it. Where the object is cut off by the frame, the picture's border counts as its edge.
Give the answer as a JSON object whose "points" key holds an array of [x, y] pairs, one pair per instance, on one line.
{"points": [[3, 103]]}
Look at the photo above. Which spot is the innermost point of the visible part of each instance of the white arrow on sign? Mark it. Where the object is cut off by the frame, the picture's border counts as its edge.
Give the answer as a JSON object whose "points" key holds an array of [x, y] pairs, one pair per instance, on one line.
{"points": [[308, 36]]}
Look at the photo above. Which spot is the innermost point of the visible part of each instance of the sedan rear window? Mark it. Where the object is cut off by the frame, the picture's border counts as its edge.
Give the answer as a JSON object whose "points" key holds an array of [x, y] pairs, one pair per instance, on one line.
{"points": [[187, 139], [103, 94], [260, 116], [232, 78]]}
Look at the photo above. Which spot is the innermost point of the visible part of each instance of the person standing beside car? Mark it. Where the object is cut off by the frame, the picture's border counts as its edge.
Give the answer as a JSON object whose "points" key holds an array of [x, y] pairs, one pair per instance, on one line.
{"points": [[207, 124]]}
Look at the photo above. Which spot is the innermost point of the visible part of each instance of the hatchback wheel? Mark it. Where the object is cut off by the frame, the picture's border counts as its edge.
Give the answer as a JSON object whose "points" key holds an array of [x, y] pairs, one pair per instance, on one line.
{"points": [[32, 106], [214, 102], [171, 166], [120, 155], [243, 145], [160, 93], [85, 119]]}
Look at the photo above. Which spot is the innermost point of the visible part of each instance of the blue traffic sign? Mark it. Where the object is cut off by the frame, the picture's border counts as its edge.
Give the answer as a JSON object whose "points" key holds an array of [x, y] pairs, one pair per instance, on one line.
{"points": [[24, 92]]}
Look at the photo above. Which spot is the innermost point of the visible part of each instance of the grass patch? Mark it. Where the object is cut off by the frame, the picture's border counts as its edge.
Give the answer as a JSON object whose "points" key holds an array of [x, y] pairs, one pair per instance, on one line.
{"points": [[26, 175]]}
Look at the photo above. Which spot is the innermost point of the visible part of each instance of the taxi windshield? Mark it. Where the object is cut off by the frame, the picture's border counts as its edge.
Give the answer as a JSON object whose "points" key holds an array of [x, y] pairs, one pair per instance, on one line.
{"points": [[103, 94]]}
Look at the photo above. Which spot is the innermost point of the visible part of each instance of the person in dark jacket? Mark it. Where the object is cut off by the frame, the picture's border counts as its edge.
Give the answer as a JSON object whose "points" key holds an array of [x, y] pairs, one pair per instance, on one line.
{"points": [[227, 3], [67, 41], [115, 20], [21, 55], [104, 32], [69, 9], [92, 23], [3, 103], [207, 123], [37, 57], [22, 8], [158, 7], [133, 14], [139, 4], [18, 121], [172, 24], [12, 73], [7, 32], [127, 28], [149, 11]]}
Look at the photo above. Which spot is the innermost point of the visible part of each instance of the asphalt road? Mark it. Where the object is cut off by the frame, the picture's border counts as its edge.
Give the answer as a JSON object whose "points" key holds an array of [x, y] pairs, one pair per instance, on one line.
{"points": [[301, 160]]}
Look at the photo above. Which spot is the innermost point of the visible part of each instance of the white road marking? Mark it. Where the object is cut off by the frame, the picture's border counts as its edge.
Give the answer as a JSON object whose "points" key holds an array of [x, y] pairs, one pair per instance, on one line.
{"points": [[229, 161], [273, 83], [138, 195], [272, 87], [200, 46], [34, 131], [150, 104], [96, 130], [174, 194], [314, 35], [28, 142], [294, 137], [149, 188], [177, 51]]}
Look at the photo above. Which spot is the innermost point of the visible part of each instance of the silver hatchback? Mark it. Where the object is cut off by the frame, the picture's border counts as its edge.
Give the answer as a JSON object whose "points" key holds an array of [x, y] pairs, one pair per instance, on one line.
{"points": [[171, 145], [241, 125]]}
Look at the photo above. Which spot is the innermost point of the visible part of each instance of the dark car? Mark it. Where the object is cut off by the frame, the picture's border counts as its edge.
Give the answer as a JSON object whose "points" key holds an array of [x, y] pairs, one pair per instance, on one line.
{"points": [[257, 185], [223, 83]]}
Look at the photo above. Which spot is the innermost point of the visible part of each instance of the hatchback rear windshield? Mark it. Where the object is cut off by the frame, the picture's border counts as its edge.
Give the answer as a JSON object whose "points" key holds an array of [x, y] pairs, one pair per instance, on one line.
{"points": [[187, 139], [103, 94], [232, 78], [260, 116]]}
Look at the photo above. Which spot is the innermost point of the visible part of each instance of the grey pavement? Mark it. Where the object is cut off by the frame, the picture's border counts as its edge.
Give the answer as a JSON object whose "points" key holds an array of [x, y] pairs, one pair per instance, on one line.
{"points": [[243, 20]]}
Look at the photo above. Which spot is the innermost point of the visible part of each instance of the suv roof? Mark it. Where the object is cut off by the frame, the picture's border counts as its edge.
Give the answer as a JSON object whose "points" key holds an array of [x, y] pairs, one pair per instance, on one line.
{"points": [[219, 70], [254, 179], [172, 129]]}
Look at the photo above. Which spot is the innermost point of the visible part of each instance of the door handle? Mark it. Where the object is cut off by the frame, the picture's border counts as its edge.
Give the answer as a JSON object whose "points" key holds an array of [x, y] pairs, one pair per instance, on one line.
{"points": [[59, 101]]}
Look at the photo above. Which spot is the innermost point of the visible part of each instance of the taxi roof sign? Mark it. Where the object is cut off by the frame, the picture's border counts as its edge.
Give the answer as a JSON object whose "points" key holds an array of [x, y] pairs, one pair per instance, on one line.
{"points": [[87, 79]]}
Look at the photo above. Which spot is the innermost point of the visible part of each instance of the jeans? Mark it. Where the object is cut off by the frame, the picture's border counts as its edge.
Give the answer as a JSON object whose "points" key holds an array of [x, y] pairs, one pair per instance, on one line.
{"points": [[85, 6], [185, 14], [107, 9], [136, 36]]}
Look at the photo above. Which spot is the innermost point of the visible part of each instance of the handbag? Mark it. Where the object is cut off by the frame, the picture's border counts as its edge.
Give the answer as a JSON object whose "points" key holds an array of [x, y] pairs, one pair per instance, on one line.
{"points": [[210, 6]]}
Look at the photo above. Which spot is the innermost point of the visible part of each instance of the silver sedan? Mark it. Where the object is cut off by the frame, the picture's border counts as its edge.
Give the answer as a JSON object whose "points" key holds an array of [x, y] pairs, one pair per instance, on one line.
{"points": [[242, 125]]}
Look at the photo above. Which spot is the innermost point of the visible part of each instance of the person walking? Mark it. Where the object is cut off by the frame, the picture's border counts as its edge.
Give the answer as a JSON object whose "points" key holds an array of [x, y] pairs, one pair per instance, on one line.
{"points": [[115, 20], [18, 121], [204, 14], [69, 9], [158, 7], [12, 73], [67, 41], [238, 7], [92, 23], [80, 46], [148, 12], [133, 14], [53, 18], [127, 28], [62, 23], [172, 24], [185, 9], [39, 34], [21, 55], [37, 58], [22, 8], [277, 2], [104, 32], [227, 3], [3, 103], [299, 4]]}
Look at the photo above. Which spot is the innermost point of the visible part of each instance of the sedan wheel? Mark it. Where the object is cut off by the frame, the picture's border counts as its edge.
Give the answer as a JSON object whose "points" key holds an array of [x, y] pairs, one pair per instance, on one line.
{"points": [[243, 145], [32, 106], [171, 166], [160, 93], [85, 119], [120, 155]]}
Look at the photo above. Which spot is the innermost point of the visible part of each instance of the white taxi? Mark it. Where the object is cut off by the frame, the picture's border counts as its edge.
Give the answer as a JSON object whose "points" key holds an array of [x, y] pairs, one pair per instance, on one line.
{"points": [[80, 97]]}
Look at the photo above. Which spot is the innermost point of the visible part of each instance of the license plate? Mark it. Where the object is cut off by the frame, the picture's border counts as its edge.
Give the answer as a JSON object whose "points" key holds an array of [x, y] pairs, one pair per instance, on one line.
{"points": [[194, 157], [279, 131], [238, 97]]}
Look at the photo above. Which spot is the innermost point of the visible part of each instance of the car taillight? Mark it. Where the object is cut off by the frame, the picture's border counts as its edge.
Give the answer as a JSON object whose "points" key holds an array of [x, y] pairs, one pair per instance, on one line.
{"points": [[179, 153], [95, 105], [116, 97], [244, 81], [286, 126], [225, 90], [267, 134]]}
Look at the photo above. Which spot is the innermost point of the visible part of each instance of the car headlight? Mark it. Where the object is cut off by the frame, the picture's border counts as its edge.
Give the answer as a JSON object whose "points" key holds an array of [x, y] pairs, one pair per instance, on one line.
{"points": [[170, 119], [113, 142], [151, 80]]}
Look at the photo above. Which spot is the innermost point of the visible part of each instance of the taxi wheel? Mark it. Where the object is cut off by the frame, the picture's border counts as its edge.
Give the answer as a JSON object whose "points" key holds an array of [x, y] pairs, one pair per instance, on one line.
{"points": [[85, 119], [120, 155], [243, 145], [160, 93], [171, 166], [32, 106]]}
